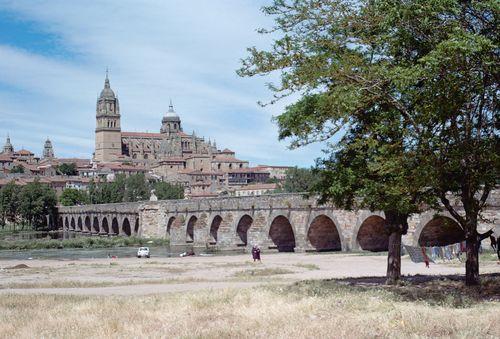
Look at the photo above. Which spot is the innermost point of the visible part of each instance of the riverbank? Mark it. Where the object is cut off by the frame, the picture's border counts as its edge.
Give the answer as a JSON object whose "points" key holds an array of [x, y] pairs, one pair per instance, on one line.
{"points": [[286, 295], [80, 242]]}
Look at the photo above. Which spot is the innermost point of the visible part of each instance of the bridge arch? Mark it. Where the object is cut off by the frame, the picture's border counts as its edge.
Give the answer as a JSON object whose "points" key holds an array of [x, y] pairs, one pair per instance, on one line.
{"points": [[323, 234], [66, 223], [105, 225], [440, 231], [115, 229], [95, 225], [60, 222], [136, 226], [72, 223], [170, 223], [282, 235], [242, 228], [190, 228], [80, 224], [87, 223], [126, 227], [214, 228], [372, 234]]}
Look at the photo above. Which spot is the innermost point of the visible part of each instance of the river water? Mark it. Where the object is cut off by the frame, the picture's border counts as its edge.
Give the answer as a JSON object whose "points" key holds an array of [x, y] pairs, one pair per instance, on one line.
{"points": [[83, 253]]}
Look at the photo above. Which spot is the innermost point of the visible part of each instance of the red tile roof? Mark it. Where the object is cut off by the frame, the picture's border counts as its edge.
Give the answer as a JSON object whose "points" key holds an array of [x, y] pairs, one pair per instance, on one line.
{"points": [[142, 135], [225, 158], [24, 152]]}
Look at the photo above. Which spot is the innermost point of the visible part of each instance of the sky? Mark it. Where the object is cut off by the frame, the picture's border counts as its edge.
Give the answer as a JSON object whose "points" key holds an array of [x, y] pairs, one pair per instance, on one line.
{"points": [[53, 57]]}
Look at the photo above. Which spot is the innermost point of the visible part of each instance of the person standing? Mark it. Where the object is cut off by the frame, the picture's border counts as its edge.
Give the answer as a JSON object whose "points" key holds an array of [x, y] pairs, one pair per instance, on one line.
{"points": [[256, 253], [498, 248]]}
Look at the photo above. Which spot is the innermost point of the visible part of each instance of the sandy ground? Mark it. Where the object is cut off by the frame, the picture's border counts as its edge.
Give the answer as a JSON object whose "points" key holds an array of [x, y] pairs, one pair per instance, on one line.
{"points": [[132, 276]]}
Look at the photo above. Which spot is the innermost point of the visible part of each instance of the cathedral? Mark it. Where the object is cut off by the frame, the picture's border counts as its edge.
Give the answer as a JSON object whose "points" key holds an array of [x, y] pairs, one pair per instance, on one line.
{"points": [[165, 153]]}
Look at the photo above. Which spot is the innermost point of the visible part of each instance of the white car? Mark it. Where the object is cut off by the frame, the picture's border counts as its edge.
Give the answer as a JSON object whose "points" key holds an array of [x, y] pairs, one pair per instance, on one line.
{"points": [[143, 252]]}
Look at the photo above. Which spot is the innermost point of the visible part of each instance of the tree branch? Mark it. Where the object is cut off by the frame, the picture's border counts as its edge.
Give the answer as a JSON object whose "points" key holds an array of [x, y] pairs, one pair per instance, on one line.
{"points": [[452, 211]]}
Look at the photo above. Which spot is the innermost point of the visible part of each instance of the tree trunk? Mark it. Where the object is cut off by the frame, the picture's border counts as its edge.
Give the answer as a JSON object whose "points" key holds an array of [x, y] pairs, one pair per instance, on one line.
{"points": [[472, 263], [396, 226], [394, 258]]}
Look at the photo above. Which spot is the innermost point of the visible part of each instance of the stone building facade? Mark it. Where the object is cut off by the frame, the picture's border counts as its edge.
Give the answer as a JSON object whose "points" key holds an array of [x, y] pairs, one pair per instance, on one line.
{"points": [[171, 154]]}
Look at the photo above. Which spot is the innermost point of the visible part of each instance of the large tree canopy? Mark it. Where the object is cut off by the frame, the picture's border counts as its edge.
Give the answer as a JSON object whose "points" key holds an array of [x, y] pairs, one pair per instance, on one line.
{"points": [[412, 88]]}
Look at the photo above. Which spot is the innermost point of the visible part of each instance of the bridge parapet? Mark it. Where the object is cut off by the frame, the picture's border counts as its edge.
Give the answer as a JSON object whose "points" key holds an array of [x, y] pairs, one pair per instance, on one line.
{"points": [[276, 221]]}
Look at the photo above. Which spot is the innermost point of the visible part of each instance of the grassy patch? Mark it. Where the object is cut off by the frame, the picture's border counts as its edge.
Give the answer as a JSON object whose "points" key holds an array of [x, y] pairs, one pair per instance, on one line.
{"points": [[310, 267], [261, 272], [91, 284], [80, 242]]}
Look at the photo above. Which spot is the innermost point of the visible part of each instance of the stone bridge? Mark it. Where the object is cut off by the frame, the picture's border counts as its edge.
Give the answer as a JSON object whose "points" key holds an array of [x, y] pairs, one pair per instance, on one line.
{"points": [[283, 222]]}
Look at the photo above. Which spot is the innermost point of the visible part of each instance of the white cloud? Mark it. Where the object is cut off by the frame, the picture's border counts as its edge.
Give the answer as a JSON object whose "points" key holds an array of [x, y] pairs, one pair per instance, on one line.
{"points": [[156, 50]]}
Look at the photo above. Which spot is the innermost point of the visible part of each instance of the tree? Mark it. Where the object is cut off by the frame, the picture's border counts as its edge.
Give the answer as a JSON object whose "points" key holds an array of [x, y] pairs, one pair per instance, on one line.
{"points": [[298, 180], [433, 63], [72, 197], [457, 75], [9, 202], [137, 188], [166, 191], [17, 169], [36, 201], [67, 169]]}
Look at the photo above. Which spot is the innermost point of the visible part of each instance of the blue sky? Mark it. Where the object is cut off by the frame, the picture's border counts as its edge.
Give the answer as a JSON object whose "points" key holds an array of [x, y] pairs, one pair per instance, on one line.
{"points": [[53, 56]]}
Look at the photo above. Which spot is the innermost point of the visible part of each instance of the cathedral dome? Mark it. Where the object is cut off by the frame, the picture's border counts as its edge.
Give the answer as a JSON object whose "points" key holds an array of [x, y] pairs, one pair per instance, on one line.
{"points": [[107, 92], [171, 115]]}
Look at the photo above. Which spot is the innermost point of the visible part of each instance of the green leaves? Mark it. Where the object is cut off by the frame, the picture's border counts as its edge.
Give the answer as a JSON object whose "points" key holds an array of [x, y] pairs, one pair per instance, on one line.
{"points": [[72, 197]]}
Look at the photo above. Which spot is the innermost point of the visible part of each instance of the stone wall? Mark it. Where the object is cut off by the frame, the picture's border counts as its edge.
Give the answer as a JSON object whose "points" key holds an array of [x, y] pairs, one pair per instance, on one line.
{"points": [[275, 222]]}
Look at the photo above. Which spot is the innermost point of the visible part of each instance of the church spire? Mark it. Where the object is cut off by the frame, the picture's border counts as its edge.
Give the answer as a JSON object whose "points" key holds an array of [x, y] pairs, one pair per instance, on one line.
{"points": [[8, 148], [171, 106]]}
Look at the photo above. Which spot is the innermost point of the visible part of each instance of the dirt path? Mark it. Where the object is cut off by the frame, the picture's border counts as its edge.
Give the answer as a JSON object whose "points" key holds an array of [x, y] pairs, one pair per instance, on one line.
{"points": [[131, 276]]}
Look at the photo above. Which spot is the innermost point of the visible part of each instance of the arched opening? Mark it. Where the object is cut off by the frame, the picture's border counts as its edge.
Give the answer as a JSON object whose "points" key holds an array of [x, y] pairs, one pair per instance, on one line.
{"points": [[60, 222], [126, 227], [324, 235], [441, 231], [372, 234], [242, 229], [95, 225], [190, 229], [136, 226], [80, 224], [214, 228], [72, 223], [114, 226], [281, 233], [87, 223], [169, 224], [104, 225], [66, 223]]}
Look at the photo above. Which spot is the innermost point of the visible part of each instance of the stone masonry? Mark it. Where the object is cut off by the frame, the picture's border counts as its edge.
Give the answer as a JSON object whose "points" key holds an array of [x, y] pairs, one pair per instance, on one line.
{"points": [[282, 222]]}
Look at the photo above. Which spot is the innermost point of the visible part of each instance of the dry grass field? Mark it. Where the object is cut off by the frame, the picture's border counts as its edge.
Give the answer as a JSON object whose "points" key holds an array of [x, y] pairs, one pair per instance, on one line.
{"points": [[312, 309], [288, 296]]}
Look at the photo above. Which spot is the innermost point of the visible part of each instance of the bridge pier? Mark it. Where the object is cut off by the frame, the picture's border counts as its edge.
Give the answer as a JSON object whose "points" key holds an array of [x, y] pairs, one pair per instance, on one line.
{"points": [[274, 222]]}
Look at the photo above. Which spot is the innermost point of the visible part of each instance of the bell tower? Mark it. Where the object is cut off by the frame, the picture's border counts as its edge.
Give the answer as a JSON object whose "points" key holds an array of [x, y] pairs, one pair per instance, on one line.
{"points": [[108, 139], [48, 151]]}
